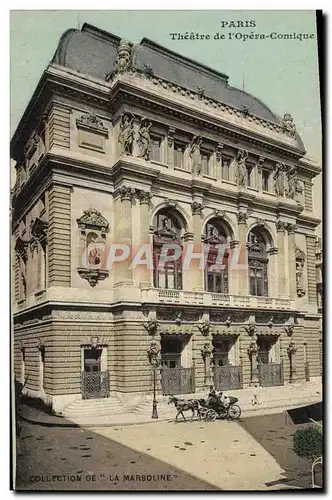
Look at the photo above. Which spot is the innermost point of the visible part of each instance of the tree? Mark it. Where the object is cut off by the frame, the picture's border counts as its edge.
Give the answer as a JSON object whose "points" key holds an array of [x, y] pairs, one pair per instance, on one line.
{"points": [[308, 443]]}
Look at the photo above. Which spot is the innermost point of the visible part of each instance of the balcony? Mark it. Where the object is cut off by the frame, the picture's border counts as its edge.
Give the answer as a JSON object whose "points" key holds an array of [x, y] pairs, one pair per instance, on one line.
{"points": [[183, 297]]}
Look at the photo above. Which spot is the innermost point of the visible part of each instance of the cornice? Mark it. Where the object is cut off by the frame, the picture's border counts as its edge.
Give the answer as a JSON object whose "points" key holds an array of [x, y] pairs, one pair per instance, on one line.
{"points": [[123, 90]]}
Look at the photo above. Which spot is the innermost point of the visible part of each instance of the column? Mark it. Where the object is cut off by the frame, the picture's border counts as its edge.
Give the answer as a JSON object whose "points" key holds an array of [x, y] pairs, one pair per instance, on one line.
{"points": [[219, 150], [197, 274], [243, 257], [291, 228], [273, 271], [170, 146], [124, 237], [145, 272], [281, 226], [259, 166]]}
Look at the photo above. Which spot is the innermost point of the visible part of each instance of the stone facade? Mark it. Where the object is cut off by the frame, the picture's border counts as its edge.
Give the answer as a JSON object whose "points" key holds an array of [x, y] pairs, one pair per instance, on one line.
{"points": [[138, 160]]}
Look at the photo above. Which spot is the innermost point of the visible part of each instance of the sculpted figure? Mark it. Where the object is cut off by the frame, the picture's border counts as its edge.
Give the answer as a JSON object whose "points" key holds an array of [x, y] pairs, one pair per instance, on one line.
{"points": [[292, 183], [126, 136], [240, 168], [195, 155], [288, 124], [123, 61], [144, 138], [278, 177]]}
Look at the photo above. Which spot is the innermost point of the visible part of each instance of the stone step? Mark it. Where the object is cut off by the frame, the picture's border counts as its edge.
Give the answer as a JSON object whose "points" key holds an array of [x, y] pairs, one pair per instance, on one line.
{"points": [[93, 407]]}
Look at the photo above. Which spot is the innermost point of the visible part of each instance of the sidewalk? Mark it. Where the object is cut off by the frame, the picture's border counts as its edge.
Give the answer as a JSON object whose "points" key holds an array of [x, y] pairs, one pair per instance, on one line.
{"points": [[273, 400]]}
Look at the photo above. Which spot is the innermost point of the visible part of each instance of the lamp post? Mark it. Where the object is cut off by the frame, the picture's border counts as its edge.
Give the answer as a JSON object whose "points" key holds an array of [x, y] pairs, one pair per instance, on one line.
{"points": [[154, 403], [153, 352]]}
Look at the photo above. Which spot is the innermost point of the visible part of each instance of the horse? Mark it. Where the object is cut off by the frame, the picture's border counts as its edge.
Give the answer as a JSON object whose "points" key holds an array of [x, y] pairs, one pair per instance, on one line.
{"points": [[182, 405]]}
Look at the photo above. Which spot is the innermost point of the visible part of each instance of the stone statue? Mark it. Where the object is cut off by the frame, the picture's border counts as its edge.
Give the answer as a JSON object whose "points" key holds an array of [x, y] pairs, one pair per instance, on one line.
{"points": [[288, 124], [195, 155], [240, 168], [278, 177], [292, 183], [123, 61], [126, 136], [144, 138]]}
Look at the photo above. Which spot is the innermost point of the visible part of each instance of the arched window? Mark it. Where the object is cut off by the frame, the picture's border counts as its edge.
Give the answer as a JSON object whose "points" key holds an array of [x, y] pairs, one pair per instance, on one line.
{"points": [[167, 274], [258, 264], [216, 268]]}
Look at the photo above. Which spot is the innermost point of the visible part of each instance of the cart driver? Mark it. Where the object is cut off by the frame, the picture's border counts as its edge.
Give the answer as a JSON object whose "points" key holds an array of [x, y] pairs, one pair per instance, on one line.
{"points": [[224, 399]]}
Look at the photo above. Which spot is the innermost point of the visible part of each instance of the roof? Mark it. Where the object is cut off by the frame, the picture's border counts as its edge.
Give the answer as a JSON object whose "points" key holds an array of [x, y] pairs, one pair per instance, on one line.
{"points": [[93, 52]]}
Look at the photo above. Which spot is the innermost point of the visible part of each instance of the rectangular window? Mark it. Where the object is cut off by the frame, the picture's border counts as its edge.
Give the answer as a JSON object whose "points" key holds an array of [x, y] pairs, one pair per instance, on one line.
{"points": [[265, 180], [179, 155], [225, 168], [205, 158], [155, 149]]}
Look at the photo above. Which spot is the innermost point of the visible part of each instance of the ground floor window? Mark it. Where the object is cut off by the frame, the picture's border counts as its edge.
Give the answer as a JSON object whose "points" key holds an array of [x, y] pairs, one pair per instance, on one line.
{"points": [[92, 360]]}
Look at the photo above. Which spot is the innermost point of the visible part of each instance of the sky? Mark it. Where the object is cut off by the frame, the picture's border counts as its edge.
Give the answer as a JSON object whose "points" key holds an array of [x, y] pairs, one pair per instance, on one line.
{"points": [[282, 73]]}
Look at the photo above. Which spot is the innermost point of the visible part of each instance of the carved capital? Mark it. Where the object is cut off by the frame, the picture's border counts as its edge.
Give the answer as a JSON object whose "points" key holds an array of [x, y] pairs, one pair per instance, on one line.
{"points": [[126, 193], [289, 329], [170, 137], [291, 228], [219, 150], [260, 163], [144, 197], [281, 226], [197, 208]]}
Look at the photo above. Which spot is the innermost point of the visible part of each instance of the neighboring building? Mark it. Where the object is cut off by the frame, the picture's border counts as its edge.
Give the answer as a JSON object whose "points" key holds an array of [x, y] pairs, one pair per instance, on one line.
{"points": [[134, 144]]}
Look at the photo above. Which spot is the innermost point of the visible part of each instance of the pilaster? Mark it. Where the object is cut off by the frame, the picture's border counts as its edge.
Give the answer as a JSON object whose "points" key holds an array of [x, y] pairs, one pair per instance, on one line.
{"points": [[280, 227], [291, 228]]}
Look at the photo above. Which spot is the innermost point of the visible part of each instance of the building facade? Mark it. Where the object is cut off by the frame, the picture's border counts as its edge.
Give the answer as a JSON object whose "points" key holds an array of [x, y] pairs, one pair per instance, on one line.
{"points": [[130, 153]]}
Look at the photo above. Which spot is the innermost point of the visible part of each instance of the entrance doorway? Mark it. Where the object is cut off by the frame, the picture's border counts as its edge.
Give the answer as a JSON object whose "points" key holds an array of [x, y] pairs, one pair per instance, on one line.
{"points": [[95, 382], [227, 373], [177, 376], [270, 371]]}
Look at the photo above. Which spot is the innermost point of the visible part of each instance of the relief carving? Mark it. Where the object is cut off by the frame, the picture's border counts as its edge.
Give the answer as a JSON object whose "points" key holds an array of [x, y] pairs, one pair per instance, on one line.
{"points": [[288, 125], [239, 164], [195, 155], [278, 176]]}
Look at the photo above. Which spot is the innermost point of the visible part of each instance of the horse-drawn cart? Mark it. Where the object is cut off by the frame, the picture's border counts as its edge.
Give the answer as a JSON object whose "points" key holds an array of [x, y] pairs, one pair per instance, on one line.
{"points": [[207, 409]]}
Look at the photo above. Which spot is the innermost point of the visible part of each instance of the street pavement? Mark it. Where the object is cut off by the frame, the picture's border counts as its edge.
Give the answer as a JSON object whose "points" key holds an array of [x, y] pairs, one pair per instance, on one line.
{"points": [[251, 454]]}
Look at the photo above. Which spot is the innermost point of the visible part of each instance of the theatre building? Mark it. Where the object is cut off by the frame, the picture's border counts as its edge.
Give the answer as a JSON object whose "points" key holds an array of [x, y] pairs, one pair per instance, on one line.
{"points": [[131, 146]]}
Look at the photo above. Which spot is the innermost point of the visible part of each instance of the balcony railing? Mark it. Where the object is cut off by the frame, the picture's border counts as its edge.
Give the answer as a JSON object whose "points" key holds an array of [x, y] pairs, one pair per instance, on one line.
{"points": [[215, 299]]}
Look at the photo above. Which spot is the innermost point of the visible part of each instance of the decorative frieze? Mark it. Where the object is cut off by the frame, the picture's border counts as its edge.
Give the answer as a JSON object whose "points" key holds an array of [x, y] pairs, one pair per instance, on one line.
{"points": [[92, 122]]}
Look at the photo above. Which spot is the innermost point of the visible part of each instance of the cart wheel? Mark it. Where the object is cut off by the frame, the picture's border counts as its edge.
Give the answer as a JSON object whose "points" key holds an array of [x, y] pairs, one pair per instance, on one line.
{"points": [[210, 416], [234, 412], [223, 412]]}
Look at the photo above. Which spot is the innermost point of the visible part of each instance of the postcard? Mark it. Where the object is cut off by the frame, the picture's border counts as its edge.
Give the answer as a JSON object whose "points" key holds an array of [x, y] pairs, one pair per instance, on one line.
{"points": [[166, 214]]}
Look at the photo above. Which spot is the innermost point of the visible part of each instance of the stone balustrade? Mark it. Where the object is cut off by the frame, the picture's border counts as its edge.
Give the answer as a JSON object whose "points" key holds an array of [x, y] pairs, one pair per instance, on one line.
{"points": [[216, 299]]}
